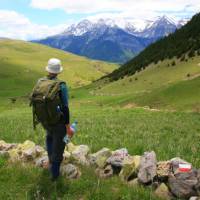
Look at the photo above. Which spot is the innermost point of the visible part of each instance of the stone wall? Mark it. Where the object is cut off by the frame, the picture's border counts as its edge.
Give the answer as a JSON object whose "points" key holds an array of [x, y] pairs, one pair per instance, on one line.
{"points": [[175, 178]]}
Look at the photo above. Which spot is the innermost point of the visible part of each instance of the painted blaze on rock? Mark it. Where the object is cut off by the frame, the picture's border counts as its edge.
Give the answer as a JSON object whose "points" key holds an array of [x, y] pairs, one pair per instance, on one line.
{"points": [[183, 184]]}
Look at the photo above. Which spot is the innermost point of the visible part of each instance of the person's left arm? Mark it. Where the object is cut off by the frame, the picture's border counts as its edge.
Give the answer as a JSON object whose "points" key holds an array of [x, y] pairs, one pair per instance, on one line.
{"points": [[65, 105]]}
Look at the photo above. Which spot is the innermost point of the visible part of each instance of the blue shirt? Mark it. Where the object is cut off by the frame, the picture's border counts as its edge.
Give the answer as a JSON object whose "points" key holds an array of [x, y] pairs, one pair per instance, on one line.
{"points": [[64, 94]]}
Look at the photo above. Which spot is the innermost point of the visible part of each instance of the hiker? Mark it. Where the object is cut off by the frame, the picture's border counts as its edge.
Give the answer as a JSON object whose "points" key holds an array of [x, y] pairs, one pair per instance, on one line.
{"points": [[50, 108]]}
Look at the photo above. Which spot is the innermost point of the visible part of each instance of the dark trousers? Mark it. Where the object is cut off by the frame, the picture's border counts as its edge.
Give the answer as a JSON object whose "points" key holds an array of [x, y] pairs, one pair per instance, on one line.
{"points": [[55, 147]]}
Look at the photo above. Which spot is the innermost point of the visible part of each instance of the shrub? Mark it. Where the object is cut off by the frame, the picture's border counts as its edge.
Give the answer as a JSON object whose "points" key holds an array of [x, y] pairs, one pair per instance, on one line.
{"points": [[191, 54], [13, 100], [173, 63], [188, 75], [183, 58]]}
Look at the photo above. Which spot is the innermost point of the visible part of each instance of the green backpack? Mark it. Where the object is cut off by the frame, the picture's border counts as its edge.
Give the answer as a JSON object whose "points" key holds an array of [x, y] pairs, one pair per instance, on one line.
{"points": [[46, 103]]}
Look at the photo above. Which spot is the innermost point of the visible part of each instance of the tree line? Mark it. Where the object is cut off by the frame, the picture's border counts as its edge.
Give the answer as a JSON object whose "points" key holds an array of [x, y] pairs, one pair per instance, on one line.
{"points": [[184, 42]]}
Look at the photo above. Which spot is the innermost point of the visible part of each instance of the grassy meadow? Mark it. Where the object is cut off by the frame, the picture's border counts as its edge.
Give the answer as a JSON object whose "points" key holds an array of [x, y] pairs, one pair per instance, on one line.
{"points": [[169, 134], [109, 115], [22, 63], [160, 86]]}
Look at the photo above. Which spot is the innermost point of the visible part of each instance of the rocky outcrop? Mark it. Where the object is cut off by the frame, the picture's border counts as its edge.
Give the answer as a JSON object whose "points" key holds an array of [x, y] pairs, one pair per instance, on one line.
{"points": [[182, 185], [147, 168], [99, 158], [117, 157], [25, 152], [163, 170], [70, 171], [163, 192], [105, 172], [80, 153], [130, 168]]}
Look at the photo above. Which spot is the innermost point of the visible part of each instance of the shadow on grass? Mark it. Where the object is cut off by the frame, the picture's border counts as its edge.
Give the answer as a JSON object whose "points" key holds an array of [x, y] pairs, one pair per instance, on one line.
{"points": [[44, 188]]}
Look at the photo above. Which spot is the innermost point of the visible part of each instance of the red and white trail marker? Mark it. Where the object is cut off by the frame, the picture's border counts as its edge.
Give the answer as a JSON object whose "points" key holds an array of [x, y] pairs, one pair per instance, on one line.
{"points": [[185, 167]]}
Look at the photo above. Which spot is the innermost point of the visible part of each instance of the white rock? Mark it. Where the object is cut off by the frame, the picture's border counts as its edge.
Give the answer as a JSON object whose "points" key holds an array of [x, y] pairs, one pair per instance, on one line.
{"points": [[6, 146], [105, 152], [118, 157], [66, 157], [80, 154], [42, 161], [70, 171], [148, 166]]}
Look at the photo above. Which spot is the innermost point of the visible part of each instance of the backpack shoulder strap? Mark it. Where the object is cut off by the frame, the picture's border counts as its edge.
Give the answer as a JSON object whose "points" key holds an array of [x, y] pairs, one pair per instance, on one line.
{"points": [[55, 89]]}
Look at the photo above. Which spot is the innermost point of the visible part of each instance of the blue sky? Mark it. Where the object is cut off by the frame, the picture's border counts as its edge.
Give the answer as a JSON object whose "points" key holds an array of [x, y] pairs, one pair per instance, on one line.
{"points": [[21, 19], [39, 16]]}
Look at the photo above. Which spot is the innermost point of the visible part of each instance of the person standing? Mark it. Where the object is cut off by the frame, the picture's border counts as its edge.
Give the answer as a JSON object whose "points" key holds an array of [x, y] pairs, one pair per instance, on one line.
{"points": [[49, 100]]}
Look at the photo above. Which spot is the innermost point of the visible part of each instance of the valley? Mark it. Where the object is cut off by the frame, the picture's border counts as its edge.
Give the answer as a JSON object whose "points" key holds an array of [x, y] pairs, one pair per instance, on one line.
{"points": [[149, 103]]}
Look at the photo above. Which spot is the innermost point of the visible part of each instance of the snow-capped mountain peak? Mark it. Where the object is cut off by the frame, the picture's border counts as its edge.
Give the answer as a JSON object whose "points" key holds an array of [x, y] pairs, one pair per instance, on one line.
{"points": [[80, 28], [162, 25], [110, 39], [165, 19], [107, 22]]}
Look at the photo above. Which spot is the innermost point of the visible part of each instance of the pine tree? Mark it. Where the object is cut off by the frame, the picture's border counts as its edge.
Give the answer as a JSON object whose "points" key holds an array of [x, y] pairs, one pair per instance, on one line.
{"points": [[185, 41]]}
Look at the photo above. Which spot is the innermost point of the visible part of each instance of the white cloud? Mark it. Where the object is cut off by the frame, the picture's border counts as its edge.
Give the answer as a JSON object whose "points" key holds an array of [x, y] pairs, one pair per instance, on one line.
{"points": [[134, 8], [16, 26]]}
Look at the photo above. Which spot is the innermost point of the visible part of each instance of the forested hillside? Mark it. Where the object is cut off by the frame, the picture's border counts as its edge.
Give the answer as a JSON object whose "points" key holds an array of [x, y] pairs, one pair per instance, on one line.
{"points": [[184, 43]]}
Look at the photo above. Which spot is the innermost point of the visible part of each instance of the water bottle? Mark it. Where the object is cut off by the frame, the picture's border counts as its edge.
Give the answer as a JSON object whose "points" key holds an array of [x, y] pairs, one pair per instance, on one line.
{"points": [[73, 128]]}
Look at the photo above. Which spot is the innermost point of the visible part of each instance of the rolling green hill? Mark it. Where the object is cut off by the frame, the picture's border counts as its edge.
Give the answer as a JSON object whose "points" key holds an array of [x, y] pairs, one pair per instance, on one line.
{"points": [[165, 75], [106, 118], [22, 63], [184, 42], [183, 95], [159, 85]]}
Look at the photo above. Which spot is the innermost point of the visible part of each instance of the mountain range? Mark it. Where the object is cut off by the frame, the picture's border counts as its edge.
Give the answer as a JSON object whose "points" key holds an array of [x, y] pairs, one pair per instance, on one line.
{"points": [[112, 40], [181, 45]]}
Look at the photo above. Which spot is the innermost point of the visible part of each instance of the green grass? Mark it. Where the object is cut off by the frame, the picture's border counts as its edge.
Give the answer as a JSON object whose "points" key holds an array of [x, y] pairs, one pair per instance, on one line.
{"points": [[183, 95], [169, 134], [158, 86], [103, 119], [117, 128], [33, 183], [22, 63], [154, 76]]}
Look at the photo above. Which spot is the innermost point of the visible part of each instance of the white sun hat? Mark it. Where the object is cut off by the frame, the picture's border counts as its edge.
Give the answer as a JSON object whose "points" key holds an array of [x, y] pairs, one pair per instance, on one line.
{"points": [[54, 66]]}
